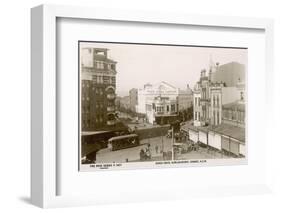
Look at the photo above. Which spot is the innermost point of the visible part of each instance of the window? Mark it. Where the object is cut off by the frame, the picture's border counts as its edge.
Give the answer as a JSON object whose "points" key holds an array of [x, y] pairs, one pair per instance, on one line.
{"points": [[173, 108], [99, 79], [106, 79], [112, 80], [94, 78], [101, 92], [157, 109], [99, 65], [167, 108], [233, 117]]}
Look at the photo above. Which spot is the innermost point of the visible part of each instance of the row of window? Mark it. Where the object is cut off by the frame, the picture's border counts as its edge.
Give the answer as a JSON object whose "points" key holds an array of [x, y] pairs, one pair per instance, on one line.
{"points": [[99, 79], [216, 100], [86, 123], [216, 118], [86, 83], [161, 108], [86, 94], [197, 101], [102, 65], [197, 116]]}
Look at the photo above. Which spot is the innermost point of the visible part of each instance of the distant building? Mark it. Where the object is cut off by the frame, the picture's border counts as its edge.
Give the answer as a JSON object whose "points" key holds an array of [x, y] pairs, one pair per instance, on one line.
{"points": [[229, 74], [98, 83], [234, 113], [158, 102], [185, 99], [133, 93], [125, 103]]}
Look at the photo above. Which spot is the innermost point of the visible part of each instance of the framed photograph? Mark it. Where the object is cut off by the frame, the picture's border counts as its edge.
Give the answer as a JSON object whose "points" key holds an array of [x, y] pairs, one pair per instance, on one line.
{"points": [[148, 105]]}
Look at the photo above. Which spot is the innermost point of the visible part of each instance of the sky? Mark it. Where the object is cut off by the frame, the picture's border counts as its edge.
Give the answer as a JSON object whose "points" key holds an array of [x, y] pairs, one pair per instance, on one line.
{"points": [[176, 65]]}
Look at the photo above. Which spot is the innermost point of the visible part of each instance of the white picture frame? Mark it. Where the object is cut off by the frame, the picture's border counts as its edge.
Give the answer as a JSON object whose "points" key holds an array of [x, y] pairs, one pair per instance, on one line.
{"points": [[44, 168]]}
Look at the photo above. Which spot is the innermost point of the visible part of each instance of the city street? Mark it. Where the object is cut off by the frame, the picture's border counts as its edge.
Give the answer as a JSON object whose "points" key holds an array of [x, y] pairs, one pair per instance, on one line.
{"points": [[202, 153], [133, 154], [158, 145]]}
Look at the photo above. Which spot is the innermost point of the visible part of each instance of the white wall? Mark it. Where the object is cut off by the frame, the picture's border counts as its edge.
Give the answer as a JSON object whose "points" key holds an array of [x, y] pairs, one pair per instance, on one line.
{"points": [[242, 149], [15, 104], [193, 135], [214, 140], [203, 137]]}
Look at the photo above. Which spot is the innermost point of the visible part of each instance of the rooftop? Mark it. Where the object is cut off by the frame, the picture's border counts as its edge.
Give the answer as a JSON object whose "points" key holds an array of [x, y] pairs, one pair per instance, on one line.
{"points": [[231, 131], [224, 129], [237, 105]]}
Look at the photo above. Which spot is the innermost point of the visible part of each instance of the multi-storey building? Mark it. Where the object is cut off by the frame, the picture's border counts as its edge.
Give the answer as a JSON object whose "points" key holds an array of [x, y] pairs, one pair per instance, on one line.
{"points": [[219, 110], [211, 92], [98, 83], [158, 102]]}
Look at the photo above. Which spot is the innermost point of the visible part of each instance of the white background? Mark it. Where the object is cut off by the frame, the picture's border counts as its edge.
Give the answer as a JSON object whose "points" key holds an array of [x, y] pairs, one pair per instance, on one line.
{"points": [[15, 105], [155, 181]]}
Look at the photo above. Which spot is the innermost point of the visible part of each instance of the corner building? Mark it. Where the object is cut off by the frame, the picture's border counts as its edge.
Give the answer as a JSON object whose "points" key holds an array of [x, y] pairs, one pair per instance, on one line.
{"points": [[98, 84]]}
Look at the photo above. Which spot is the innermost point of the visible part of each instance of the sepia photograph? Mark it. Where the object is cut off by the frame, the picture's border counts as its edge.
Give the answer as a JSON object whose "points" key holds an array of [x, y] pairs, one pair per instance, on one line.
{"points": [[160, 103]]}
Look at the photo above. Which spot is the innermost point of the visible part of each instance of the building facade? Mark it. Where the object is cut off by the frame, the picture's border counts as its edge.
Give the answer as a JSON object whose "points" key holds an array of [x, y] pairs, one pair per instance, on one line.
{"points": [[214, 90], [185, 99], [158, 102], [219, 109], [98, 84]]}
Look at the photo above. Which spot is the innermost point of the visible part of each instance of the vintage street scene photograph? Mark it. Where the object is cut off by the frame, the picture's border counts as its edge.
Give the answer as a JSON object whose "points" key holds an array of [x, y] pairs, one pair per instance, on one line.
{"points": [[156, 102]]}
